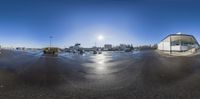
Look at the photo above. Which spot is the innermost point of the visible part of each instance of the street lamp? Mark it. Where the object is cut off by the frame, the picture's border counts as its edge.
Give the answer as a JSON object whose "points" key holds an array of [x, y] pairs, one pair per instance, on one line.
{"points": [[50, 37]]}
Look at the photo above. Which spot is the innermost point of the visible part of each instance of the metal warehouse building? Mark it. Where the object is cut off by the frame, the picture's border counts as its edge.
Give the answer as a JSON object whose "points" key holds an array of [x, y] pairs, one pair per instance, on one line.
{"points": [[178, 42]]}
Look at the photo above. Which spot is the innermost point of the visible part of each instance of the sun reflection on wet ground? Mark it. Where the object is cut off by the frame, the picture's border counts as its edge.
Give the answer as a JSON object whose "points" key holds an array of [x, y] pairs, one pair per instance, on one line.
{"points": [[98, 63]]}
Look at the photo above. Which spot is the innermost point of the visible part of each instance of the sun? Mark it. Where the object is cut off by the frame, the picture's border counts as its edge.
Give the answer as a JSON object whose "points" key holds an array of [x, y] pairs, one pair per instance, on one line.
{"points": [[100, 37]]}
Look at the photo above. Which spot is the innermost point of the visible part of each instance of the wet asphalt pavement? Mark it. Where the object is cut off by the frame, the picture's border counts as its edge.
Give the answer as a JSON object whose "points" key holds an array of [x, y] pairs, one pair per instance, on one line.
{"points": [[111, 75]]}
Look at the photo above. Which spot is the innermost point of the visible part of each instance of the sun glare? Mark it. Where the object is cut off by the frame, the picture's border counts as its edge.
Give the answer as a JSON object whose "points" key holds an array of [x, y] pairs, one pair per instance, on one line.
{"points": [[100, 37]]}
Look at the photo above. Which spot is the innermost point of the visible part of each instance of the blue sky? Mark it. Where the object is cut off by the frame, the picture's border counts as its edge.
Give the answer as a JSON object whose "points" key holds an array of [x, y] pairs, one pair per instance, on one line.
{"points": [[29, 23]]}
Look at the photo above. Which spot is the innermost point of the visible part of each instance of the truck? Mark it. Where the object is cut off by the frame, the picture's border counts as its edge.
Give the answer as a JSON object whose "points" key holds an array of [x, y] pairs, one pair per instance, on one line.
{"points": [[51, 50]]}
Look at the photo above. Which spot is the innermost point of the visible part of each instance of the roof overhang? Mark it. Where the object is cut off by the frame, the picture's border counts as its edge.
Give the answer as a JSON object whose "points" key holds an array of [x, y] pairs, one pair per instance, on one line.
{"points": [[180, 37]]}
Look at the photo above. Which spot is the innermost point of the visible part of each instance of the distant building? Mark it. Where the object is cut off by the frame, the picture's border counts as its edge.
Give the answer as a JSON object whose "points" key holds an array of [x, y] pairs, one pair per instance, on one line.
{"points": [[178, 42], [107, 46], [123, 47]]}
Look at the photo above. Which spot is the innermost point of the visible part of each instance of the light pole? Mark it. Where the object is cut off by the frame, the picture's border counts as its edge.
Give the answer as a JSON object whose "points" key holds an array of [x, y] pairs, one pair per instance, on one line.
{"points": [[170, 44], [50, 37]]}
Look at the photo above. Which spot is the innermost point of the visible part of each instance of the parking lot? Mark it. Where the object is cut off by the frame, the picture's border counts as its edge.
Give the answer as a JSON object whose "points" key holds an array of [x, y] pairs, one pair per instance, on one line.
{"points": [[110, 75]]}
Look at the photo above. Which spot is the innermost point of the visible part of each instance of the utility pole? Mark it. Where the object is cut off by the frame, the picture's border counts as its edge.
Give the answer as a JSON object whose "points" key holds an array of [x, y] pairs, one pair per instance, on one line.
{"points": [[180, 43], [170, 44]]}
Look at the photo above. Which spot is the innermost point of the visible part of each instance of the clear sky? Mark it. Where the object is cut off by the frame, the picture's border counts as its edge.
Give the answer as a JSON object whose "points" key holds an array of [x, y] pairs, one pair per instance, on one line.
{"points": [[29, 23]]}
